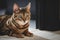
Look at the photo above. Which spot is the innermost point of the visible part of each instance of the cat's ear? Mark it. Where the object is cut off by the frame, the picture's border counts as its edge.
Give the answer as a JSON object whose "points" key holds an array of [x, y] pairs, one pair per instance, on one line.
{"points": [[15, 7], [28, 6]]}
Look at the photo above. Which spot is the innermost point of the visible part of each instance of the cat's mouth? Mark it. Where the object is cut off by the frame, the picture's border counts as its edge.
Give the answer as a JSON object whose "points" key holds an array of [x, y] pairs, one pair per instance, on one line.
{"points": [[22, 22]]}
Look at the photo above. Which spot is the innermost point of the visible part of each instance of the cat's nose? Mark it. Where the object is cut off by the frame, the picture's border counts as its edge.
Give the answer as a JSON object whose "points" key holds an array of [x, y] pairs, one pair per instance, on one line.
{"points": [[24, 20]]}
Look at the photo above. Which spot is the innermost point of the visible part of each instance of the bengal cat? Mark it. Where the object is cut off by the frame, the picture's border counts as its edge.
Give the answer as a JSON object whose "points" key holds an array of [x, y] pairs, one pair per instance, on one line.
{"points": [[17, 24]]}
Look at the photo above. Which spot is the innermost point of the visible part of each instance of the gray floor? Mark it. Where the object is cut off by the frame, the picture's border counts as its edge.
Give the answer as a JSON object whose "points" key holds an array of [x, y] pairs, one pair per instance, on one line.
{"points": [[33, 24], [45, 34]]}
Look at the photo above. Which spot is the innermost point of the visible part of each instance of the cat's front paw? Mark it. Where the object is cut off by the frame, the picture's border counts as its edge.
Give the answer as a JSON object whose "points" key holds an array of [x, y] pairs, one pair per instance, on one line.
{"points": [[29, 34], [18, 35]]}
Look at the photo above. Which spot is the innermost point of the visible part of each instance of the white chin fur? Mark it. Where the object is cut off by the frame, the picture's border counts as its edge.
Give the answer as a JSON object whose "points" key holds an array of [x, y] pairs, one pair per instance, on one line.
{"points": [[22, 22]]}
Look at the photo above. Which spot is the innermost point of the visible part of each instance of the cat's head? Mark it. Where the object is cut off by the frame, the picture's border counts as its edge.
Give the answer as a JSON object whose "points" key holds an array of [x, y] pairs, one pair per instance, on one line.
{"points": [[22, 13]]}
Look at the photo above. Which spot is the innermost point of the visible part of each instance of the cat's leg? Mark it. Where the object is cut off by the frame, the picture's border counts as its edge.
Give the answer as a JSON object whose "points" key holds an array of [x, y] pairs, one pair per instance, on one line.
{"points": [[15, 31], [17, 35], [26, 32]]}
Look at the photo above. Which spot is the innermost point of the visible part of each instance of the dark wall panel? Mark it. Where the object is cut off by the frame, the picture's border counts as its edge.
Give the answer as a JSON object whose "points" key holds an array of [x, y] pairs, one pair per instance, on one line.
{"points": [[49, 10], [3, 4]]}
